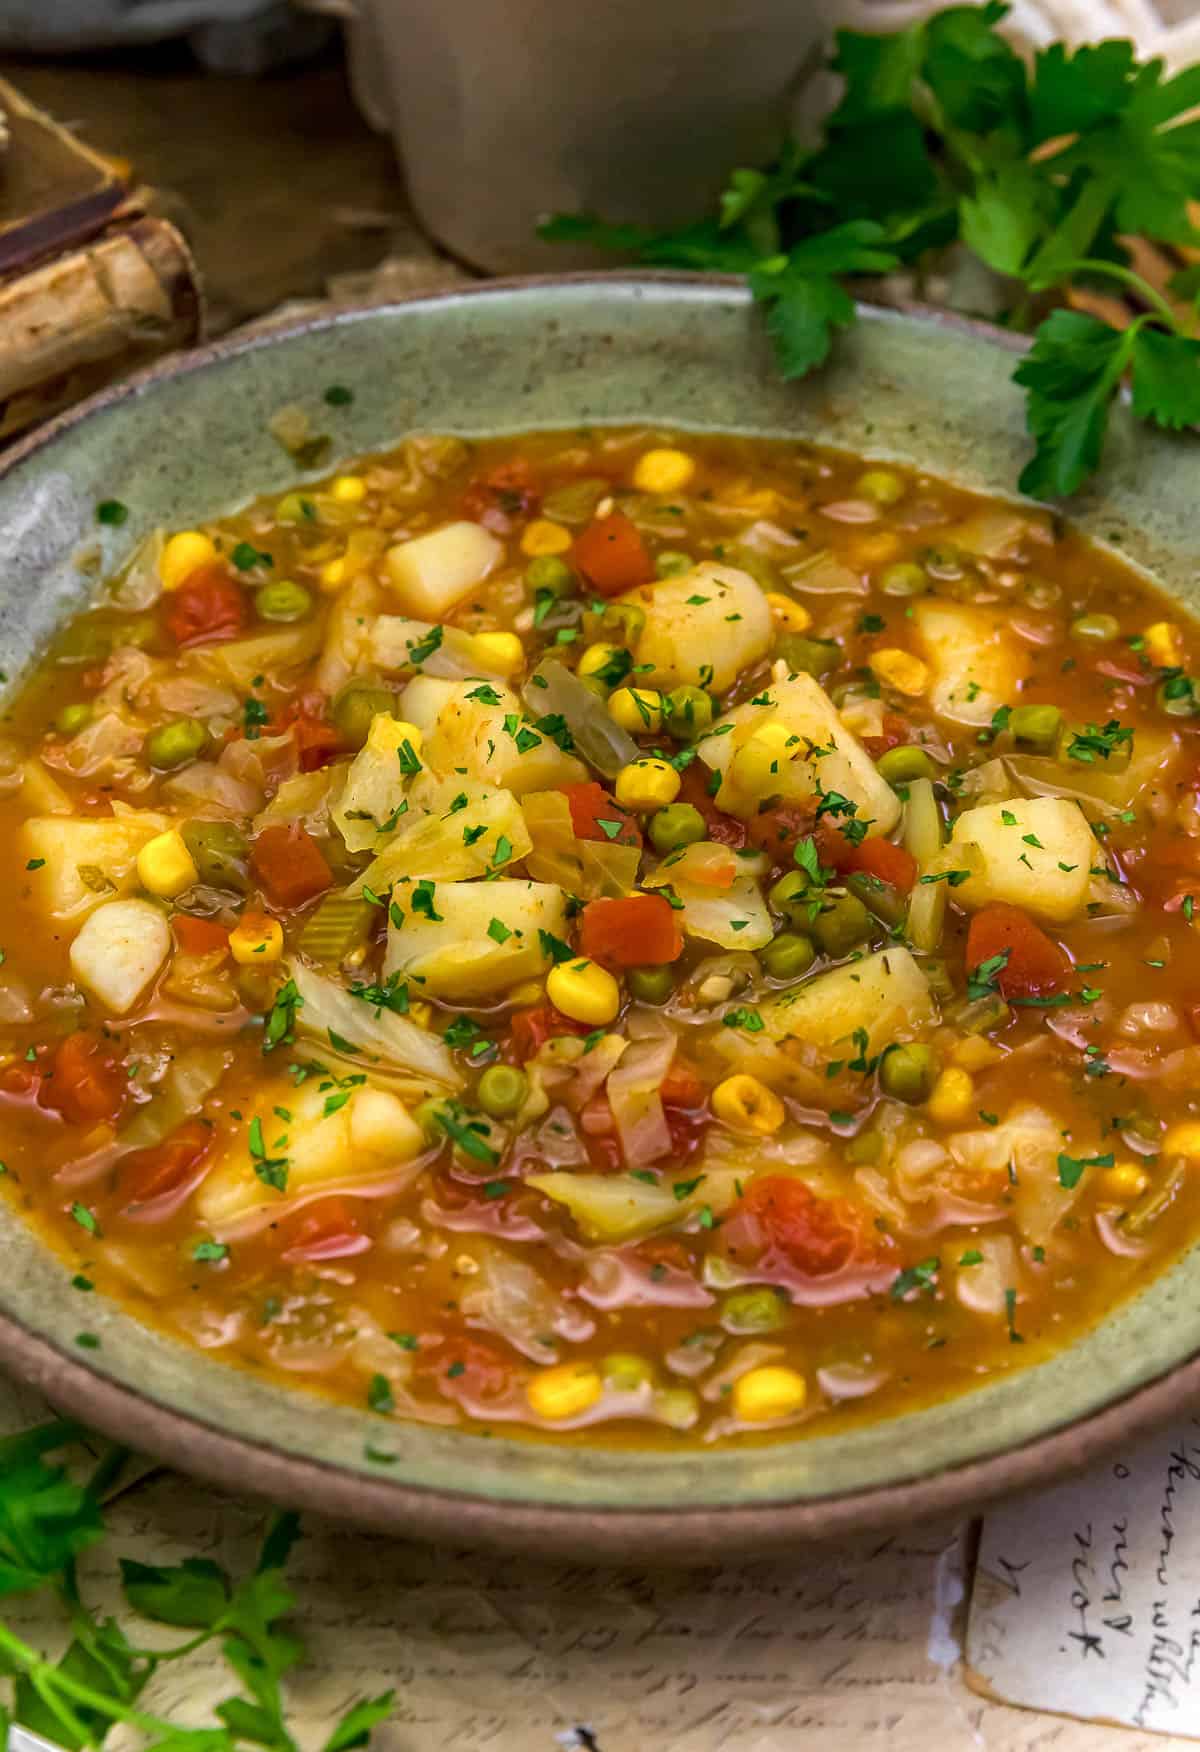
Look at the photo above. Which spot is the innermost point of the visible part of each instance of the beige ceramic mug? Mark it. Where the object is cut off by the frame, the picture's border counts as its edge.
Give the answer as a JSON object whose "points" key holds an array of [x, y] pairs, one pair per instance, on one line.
{"points": [[504, 111]]}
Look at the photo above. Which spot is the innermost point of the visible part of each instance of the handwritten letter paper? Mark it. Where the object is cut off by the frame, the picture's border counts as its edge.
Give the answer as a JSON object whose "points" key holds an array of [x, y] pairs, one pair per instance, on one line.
{"points": [[1087, 1596]]}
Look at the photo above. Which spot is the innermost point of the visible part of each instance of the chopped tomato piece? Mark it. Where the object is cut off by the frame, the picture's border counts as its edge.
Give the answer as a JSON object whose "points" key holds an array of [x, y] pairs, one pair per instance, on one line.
{"points": [[895, 732], [881, 859], [328, 1229], [777, 830], [505, 492], [817, 1234], [1033, 963], [169, 1167], [531, 1029], [612, 555], [665, 1255], [596, 815], [682, 1086], [85, 1082], [639, 932], [316, 743], [208, 606], [199, 936], [290, 865]]}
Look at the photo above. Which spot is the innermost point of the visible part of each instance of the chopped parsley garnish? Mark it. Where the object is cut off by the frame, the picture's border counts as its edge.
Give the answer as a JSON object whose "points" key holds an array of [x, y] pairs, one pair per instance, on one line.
{"points": [[281, 1018], [1070, 1168], [112, 512], [1095, 743], [921, 1277]]}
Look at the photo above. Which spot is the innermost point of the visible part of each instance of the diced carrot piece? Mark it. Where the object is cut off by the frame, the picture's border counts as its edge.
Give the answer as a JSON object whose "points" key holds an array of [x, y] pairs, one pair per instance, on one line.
{"points": [[196, 936], [596, 815], [290, 865], [814, 1232], [638, 932], [207, 607], [1033, 963], [170, 1166], [85, 1082], [883, 860], [612, 555], [316, 743]]}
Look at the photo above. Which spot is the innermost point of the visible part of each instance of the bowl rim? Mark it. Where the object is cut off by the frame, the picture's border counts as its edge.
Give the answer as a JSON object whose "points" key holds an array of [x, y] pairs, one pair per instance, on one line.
{"points": [[675, 1534]]}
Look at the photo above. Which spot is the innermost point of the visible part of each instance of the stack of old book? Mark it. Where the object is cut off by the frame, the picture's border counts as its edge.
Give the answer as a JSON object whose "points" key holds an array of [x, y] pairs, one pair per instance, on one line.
{"points": [[93, 283]]}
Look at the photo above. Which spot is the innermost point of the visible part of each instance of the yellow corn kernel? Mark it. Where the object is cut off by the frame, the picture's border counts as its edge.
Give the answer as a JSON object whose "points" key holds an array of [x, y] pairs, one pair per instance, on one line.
{"points": [[663, 471], [953, 1097], [975, 1053], [791, 616], [564, 1390], [596, 658], [875, 549], [1164, 644], [900, 669], [763, 501], [165, 866], [744, 1104], [1125, 1181], [420, 1011], [184, 554], [647, 784], [256, 940], [764, 1394], [333, 574], [501, 653], [387, 736], [584, 992], [636, 709], [349, 489], [530, 991], [1183, 1139], [543, 537]]}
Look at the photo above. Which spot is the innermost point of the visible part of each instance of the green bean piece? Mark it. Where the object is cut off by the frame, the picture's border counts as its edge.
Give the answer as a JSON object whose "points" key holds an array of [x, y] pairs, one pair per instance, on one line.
{"points": [[881, 486], [1036, 728], [805, 656], [788, 956], [905, 578], [650, 985], [547, 572], [576, 502], [1177, 697], [676, 825], [842, 924], [174, 744], [672, 564], [760, 1309], [879, 897], [220, 853], [624, 1372], [72, 719], [792, 896], [1156, 1199], [980, 1015], [88, 641], [908, 1073], [356, 706], [687, 713], [337, 926], [283, 601], [622, 623], [937, 977], [502, 1090], [1095, 629], [900, 766]]}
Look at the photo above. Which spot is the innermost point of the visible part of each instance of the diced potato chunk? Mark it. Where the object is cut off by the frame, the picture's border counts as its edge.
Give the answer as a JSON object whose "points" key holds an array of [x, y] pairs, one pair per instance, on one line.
{"points": [[375, 785], [702, 628], [357, 1144], [467, 736], [886, 995], [120, 950], [977, 662], [454, 654], [612, 1207], [818, 752], [1033, 852], [463, 953], [432, 572], [78, 865]]}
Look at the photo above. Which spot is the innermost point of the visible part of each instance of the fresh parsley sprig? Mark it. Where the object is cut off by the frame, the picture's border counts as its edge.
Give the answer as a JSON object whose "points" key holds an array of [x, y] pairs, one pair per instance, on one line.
{"points": [[943, 136]]}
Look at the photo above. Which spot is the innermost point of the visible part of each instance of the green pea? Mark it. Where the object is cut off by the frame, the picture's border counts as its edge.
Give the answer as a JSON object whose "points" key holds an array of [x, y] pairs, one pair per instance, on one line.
{"points": [[356, 706], [650, 985], [1095, 629], [677, 1407], [805, 656], [676, 825], [908, 1073], [283, 601], [905, 578], [879, 897], [548, 572], [866, 1147], [792, 896], [758, 1310], [881, 485], [1036, 728], [788, 956], [622, 622], [842, 924], [174, 744], [672, 564], [1177, 697], [687, 713], [899, 766], [220, 852], [72, 719], [624, 1372], [502, 1090]]}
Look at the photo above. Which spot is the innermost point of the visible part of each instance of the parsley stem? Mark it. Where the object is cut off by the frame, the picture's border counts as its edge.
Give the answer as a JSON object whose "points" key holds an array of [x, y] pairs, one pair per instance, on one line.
{"points": [[1127, 277], [47, 1679]]}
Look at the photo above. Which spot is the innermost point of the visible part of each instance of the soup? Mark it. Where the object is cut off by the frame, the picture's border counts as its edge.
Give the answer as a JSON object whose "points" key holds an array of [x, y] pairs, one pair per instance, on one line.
{"points": [[683, 938]]}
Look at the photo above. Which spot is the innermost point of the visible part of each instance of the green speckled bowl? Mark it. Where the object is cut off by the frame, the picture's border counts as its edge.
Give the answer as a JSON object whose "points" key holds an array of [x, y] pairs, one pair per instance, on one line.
{"points": [[190, 439]]}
